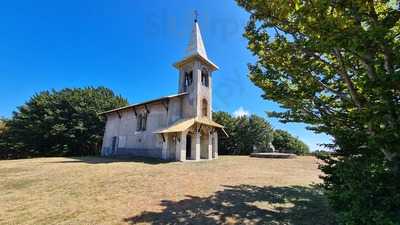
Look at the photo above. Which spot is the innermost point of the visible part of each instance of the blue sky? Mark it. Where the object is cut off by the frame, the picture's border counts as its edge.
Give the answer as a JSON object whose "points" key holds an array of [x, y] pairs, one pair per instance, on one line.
{"points": [[128, 46]]}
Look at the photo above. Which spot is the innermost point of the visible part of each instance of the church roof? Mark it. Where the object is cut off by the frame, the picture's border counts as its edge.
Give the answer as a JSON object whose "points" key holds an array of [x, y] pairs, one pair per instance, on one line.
{"points": [[196, 44], [184, 124], [196, 48], [144, 103]]}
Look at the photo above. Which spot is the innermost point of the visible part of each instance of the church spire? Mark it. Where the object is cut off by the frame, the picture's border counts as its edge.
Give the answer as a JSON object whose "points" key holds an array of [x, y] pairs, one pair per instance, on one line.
{"points": [[196, 49], [196, 44]]}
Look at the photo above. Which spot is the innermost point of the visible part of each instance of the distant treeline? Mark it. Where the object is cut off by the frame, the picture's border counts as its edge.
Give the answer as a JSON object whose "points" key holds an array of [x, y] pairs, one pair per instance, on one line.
{"points": [[66, 123], [253, 133]]}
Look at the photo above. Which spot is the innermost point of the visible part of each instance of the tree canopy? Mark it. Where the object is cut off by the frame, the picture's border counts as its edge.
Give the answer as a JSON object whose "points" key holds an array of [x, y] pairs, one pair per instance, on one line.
{"points": [[59, 123], [283, 141], [336, 66]]}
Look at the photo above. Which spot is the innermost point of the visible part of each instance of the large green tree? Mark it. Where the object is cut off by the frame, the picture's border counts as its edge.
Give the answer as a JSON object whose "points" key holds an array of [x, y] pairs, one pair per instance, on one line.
{"points": [[283, 141], [335, 64], [246, 134], [226, 145], [59, 123]]}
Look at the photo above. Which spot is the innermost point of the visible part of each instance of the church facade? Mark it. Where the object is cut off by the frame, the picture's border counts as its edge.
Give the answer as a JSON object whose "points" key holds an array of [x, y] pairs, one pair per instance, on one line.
{"points": [[177, 127]]}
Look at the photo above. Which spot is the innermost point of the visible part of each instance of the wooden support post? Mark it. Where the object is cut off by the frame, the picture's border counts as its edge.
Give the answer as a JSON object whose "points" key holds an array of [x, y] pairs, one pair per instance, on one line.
{"points": [[165, 104], [147, 109]]}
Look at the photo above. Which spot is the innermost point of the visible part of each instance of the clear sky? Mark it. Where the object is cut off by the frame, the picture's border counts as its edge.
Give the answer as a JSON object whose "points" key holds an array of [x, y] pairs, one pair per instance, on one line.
{"points": [[128, 46]]}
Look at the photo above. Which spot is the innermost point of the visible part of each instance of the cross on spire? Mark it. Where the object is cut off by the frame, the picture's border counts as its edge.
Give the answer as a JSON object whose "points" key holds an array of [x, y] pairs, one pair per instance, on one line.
{"points": [[196, 15]]}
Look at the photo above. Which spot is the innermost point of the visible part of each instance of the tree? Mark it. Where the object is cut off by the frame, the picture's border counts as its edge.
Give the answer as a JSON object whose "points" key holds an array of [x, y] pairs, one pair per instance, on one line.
{"points": [[283, 141], [260, 129], [226, 145], [246, 134], [59, 123], [335, 65]]}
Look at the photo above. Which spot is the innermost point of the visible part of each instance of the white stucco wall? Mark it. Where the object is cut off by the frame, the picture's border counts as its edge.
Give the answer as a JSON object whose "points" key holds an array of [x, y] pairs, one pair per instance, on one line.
{"points": [[136, 142]]}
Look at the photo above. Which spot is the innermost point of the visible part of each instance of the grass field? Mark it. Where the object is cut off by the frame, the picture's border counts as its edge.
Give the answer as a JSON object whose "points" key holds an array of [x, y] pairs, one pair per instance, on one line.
{"points": [[230, 190]]}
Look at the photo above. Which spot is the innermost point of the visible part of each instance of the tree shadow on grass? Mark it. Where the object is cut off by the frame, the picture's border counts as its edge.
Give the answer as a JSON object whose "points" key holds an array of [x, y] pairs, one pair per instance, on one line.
{"points": [[245, 204], [106, 160]]}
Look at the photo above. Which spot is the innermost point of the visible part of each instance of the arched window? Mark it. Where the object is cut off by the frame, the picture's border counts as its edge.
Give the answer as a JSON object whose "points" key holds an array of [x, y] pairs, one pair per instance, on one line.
{"points": [[188, 79], [141, 122], [144, 121], [204, 78], [204, 107]]}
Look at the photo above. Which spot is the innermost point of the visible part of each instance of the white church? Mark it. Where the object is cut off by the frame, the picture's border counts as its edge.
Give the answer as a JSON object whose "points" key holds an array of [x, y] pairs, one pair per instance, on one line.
{"points": [[177, 127]]}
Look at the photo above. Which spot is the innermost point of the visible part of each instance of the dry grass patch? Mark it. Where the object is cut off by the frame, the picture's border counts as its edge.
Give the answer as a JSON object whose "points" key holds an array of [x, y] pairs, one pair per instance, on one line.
{"points": [[231, 190]]}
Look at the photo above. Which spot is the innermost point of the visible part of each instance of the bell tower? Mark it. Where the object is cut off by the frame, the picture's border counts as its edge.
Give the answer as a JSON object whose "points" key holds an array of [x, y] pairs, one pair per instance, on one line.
{"points": [[195, 76]]}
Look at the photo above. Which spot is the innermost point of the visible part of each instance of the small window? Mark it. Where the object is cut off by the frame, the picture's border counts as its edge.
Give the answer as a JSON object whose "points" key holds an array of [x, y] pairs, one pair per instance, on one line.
{"points": [[204, 107], [121, 141], [204, 78]]}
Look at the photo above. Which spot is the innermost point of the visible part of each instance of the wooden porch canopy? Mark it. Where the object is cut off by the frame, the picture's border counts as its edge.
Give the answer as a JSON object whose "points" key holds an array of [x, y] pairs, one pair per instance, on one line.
{"points": [[184, 124]]}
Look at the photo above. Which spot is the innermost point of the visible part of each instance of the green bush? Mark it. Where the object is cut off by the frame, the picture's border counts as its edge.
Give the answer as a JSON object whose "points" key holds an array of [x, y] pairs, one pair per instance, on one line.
{"points": [[59, 123], [362, 190]]}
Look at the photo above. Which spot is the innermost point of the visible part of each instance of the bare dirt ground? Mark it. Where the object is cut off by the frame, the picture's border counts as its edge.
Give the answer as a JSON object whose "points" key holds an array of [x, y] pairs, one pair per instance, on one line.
{"points": [[230, 190]]}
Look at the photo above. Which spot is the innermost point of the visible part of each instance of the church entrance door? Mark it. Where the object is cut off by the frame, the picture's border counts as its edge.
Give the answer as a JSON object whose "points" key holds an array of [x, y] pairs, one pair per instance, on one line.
{"points": [[188, 147]]}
